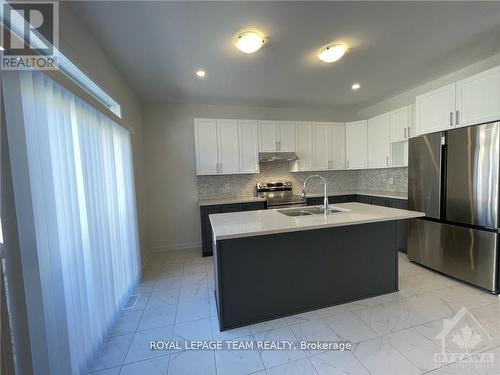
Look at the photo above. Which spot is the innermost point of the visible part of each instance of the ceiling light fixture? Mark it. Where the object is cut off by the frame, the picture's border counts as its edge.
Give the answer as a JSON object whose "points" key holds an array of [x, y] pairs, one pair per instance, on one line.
{"points": [[249, 41], [201, 73], [332, 52], [355, 86]]}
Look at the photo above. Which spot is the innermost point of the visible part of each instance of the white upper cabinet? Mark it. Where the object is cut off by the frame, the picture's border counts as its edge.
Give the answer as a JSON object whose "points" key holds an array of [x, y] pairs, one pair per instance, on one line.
{"points": [[277, 136], [228, 146], [337, 155], [401, 124], [379, 141], [478, 98], [322, 145], [356, 144], [435, 110], [287, 136], [470, 101], [205, 134], [268, 136], [248, 136], [305, 148]]}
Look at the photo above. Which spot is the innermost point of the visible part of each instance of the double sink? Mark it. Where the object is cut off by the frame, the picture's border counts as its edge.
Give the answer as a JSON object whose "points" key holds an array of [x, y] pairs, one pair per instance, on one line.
{"points": [[307, 211]]}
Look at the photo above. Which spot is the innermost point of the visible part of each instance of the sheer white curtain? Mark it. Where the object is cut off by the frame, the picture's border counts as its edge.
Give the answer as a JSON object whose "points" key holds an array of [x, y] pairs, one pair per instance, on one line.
{"points": [[83, 198]]}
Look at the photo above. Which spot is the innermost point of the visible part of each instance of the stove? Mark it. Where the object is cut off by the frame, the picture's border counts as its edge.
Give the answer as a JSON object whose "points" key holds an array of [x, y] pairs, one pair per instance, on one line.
{"points": [[278, 194]]}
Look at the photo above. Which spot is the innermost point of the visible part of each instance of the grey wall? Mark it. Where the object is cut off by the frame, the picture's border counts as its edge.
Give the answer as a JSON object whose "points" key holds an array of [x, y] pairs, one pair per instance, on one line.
{"points": [[78, 44], [172, 213]]}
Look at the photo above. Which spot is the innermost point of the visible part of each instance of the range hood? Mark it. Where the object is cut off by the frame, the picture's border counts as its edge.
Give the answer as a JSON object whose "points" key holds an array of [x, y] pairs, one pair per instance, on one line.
{"points": [[268, 157]]}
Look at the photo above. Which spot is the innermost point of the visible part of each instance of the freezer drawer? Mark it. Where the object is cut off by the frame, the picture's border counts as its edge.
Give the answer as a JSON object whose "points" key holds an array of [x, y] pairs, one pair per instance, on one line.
{"points": [[465, 253], [424, 175], [472, 175]]}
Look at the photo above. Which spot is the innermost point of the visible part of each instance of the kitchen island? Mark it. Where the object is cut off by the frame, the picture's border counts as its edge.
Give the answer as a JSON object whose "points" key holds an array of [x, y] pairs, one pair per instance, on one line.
{"points": [[269, 265]]}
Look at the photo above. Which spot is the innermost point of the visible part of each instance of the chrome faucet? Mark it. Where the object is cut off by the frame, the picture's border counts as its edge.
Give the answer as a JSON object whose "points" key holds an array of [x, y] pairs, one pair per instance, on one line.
{"points": [[326, 209]]}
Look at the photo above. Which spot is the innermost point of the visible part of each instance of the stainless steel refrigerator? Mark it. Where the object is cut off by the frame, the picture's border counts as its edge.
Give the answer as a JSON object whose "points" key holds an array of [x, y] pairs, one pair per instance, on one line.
{"points": [[453, 177]]}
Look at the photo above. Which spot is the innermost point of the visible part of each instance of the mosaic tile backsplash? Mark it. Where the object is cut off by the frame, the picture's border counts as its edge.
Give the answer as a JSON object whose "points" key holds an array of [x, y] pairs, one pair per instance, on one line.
{"points": [[379, 179], [230, 186]]}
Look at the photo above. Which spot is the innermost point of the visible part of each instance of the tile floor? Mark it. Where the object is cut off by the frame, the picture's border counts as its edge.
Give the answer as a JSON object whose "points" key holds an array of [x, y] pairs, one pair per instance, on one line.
{"points": [[391, 334]]}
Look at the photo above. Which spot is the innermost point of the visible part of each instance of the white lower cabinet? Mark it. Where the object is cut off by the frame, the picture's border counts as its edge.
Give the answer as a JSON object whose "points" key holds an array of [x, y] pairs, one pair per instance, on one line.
{"points": [[305, 149], [379, 141], [356, 144]]}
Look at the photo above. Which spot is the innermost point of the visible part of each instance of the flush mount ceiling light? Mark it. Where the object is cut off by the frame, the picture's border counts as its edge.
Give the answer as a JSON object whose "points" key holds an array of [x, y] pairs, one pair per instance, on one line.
{"points": [[201, 73], [355, 86], [249, 41], [332, 52]]}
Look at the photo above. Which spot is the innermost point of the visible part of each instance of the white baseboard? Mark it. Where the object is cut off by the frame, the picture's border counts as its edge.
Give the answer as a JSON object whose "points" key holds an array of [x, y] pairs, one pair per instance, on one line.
{"points": [[146, 257], [183, 246]]}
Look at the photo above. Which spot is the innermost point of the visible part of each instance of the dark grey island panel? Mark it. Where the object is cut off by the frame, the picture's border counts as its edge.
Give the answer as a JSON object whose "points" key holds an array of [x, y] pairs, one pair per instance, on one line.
{"points": [[270, 276], [206, 228]]}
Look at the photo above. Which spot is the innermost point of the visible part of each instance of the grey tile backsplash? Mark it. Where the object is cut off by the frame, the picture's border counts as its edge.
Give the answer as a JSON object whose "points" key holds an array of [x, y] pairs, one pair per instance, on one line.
{"points": [[230, 186], [379, 179]]}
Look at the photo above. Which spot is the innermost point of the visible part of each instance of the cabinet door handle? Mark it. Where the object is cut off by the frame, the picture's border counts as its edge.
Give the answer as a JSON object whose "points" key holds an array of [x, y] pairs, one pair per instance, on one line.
{"points": [[220, 168], [387, 160], [457, 117], [348, 163], [451, 118], [408, 132], [279, 146], [405, 133]]}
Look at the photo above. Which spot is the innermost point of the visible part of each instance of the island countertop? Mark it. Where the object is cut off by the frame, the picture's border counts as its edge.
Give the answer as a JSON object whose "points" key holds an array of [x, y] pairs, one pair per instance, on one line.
{"points": [[263, 222]]}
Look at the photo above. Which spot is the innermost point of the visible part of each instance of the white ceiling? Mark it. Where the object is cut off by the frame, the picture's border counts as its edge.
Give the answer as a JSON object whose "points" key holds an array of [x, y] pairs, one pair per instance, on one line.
{"points": [[158, 46]]}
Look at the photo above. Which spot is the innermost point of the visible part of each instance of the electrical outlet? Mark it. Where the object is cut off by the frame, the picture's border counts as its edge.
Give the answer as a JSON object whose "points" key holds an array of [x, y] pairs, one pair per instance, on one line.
{"points": [[391, 180], [227, 187]]}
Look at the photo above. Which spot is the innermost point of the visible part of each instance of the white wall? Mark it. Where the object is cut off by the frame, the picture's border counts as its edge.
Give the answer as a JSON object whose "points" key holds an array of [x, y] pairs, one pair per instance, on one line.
{"points": [[78, 44], [408, 97], [172, 213]]}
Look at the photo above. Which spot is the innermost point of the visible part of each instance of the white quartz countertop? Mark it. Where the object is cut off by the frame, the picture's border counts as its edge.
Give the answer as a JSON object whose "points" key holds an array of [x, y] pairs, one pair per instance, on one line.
{"points": [[215, 202], [373, 193], [262, 222], [384, 194]]}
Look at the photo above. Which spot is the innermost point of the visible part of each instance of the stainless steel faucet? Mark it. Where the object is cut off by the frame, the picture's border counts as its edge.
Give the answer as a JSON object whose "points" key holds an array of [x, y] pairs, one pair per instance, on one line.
{"points": [[326, 209]]}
